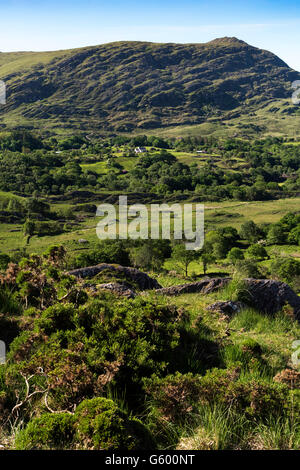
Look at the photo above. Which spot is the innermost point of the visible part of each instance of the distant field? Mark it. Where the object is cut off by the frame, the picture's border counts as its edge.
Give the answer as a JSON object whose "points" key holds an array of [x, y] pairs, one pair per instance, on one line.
{"points": [[235, 213], [7, 195], [187, 158], [99, 167], [217, 214]]}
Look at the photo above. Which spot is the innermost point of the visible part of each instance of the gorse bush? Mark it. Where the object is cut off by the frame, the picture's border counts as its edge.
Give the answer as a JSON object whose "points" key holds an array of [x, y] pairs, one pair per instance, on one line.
{"points": [[178, 397], [81, 350], [102, 425], [87, 369], [96, 424], [50, 431], [9, 303]]}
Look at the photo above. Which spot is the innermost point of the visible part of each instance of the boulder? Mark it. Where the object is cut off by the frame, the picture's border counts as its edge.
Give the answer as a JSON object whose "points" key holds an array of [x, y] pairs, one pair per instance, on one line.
{"points": [[203, 287], [143, 281], [266, 295], [118, 289], [269, 296], [227, 307]]}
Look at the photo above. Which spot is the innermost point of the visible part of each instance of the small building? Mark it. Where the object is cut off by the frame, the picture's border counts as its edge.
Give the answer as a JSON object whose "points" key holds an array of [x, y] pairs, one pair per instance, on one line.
{"points": [[140, 150]]}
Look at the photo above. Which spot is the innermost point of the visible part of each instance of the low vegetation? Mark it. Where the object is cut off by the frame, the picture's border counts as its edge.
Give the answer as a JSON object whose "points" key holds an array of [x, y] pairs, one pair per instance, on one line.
{"points": [[104, 363]]}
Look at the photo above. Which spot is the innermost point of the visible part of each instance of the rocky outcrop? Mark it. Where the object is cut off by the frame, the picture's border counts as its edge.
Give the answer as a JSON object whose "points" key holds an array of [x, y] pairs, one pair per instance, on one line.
{"points": [[142, 280], [118, 289], [203, 287], [227, 307], [270, 296], [266, 295]]}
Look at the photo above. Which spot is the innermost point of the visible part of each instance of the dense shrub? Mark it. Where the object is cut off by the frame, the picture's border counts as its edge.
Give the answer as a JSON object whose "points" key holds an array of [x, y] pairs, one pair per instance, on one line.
{"points": [[50, 431], [101, 425], [177, 396], [81, 350], [286, 269]]}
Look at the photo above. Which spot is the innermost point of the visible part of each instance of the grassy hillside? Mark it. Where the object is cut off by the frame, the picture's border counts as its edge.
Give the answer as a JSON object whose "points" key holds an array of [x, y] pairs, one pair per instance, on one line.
{"points": [[129, 86]]}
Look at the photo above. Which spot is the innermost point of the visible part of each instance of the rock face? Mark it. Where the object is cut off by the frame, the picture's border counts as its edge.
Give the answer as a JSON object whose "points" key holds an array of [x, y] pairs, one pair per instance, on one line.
{"points": [[266, 295], [270, 296], [143, 281], [118, 289], [226, 307], [203, 287]]}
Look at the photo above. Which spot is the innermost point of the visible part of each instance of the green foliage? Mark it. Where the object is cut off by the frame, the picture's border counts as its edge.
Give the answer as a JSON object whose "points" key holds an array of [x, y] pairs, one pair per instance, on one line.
{"points": [[276, 235], [250, 231], [151, 254], [101, 425], [82, 349], [20, 140], [181, 374], [178, 397], [59, 317], [235, 254], [106, 251], [183, 257], [286, 269], [9, 303], [247, 268], [50, 431], [236, 290], [257, 252], [98, 424], [4, 260]]}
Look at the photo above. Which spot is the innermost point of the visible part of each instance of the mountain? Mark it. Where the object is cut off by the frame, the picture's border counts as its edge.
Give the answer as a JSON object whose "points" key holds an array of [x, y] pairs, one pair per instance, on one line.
{"points": [[124, 86]]}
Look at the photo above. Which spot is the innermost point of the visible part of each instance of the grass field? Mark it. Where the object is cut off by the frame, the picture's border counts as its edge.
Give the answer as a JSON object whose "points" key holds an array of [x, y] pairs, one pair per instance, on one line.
{"points": [[187, 158], [99, 167], [235, 213], [217, 214]]}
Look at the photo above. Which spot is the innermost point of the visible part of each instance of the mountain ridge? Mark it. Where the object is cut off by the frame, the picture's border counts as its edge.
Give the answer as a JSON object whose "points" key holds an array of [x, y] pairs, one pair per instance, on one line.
{"points": [[128, 85]]}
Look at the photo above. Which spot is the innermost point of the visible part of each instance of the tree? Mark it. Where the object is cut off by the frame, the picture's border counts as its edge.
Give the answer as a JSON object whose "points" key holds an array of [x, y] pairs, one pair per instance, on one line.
{"points": [[235, 254], [250, 232], [286, 269], [28, 229], [276, 235], [151, 254], [217, 244], [294, 235], [257, 252], [183, 257], [206, 258], [36, 206]]}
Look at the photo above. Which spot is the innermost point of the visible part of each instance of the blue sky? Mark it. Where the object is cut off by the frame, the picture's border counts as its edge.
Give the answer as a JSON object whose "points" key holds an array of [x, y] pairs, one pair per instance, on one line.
{"points": [[50, 25]]}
